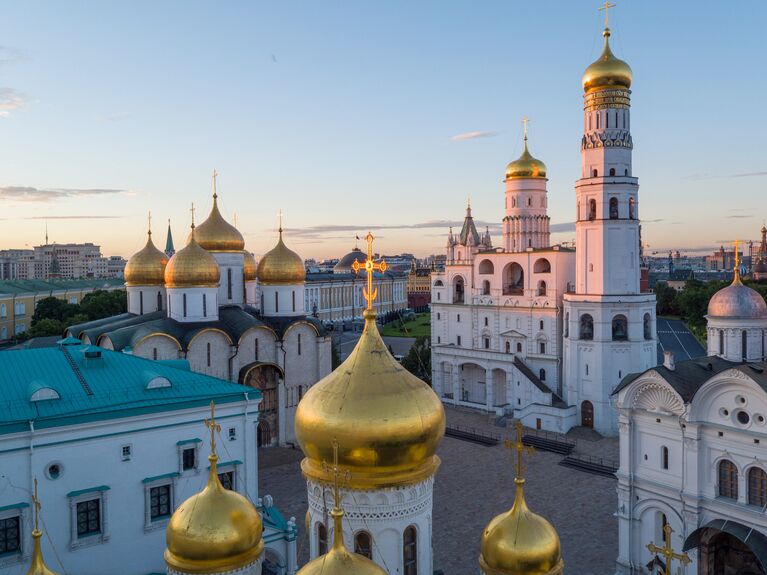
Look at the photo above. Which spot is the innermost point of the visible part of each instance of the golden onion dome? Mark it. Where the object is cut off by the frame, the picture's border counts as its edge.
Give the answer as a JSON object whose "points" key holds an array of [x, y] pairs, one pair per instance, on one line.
{"points": [[215, 234], [192, 267], [520, 542], [147, 266], [607, 71], [388, 422], [214, 531], [526, 166], [281, 266], [38, 566], [339, 560], [250, 266]]}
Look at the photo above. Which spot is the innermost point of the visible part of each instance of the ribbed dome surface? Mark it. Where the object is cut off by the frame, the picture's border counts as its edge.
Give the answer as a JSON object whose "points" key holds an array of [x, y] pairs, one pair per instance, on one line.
{"points": [[250, 266], [526, 166], [281, 266]]}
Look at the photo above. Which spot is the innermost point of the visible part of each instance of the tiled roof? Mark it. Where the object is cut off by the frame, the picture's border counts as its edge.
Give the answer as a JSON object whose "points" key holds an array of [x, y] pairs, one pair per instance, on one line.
{"points": [[19, 287]]}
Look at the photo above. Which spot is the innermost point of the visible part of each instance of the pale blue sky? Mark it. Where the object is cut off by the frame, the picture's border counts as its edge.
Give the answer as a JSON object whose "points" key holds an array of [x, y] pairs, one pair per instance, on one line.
{"points": [[341, 113]]}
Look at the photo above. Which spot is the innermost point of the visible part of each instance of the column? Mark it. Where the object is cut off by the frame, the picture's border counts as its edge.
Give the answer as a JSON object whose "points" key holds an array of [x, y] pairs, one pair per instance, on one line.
{"points": [[488, 389], [456, 383]]}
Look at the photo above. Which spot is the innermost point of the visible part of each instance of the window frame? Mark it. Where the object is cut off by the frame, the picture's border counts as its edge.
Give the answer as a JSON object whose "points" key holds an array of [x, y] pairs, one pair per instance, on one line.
{"points": [[359, 549], [151, 524], [410, 567], [182, 446], [762, 489], [99, 494], [21, 555], [729, 491]]}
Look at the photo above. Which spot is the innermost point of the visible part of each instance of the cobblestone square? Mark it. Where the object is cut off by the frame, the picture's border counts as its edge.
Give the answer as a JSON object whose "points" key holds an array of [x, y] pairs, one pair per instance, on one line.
{"points": [[474, 484]]}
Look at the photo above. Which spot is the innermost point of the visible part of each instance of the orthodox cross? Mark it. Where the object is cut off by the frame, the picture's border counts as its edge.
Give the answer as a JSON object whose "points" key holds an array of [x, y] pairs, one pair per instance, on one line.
{"points": [[520, 448], [150, 222], [36, 504], [192, 210], [666, 550], [525, 122], [338, 475], [213, 426], [370, 266], [279, 217], [215, 175], [606, 7]]}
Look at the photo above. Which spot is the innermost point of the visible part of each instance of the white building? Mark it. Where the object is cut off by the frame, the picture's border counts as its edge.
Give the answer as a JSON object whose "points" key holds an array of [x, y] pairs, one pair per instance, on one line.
{"points": [[211, 305], [544, 332], [116, 443], [690, 448]]}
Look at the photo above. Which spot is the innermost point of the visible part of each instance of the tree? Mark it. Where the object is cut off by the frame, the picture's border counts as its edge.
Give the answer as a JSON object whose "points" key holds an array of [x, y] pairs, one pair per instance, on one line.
{"points": [[100, 303], [665, 296], [46, 326], [418, 359], [335, 355], [54, 308]]}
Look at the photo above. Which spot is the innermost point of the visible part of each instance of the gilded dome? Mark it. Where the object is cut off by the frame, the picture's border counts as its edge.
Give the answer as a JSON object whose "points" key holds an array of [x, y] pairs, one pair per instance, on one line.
{"points": [[281, 266], [192, 267], [525, 166], [38, 566], [215, 234], [607, 71], [344, 265], [520, 542], [214, 531], [250, 266], [339, 560], [737, 301], [147, 266], [387, 422]]}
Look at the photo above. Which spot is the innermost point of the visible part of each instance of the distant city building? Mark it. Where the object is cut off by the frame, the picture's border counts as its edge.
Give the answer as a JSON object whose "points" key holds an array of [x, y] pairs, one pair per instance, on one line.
{"points": [[59, 261], [418, 286]]}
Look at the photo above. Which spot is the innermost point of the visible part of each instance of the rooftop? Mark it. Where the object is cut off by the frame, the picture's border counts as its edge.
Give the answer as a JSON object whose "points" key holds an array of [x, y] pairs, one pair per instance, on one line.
{"points": [[20, 287]]}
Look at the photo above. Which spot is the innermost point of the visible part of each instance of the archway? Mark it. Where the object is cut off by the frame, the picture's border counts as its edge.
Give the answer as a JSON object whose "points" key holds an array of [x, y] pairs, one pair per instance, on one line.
{"points": [[728, 548], [264, 434], [513, 279], [473, 384], [587, 414], [458, 289], [265, 377]]}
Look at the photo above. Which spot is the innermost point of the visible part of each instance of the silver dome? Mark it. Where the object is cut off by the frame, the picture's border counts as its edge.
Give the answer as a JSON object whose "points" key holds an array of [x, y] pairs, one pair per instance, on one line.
{"points": [[737, 301], [344, 265]]}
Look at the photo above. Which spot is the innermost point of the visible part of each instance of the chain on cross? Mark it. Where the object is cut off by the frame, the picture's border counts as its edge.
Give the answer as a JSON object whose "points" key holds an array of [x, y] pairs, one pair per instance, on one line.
{"points": [[370, 266], [213, 426], [668, 553], [338, 475], [606, 7], [520, 448]]}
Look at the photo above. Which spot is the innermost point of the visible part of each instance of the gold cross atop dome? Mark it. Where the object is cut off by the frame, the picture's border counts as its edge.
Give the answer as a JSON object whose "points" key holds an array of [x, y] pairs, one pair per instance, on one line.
{"points": [[213, 426], [606, 7], [370, 266], [149, 224], [36, 504], [192, 211], [668, 553], [520, 448], [338, 475], [215, 176], [525, 122]]}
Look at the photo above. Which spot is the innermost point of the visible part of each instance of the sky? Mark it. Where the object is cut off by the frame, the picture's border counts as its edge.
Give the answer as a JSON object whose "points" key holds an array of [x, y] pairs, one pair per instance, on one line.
{"points": [[352, 116]]}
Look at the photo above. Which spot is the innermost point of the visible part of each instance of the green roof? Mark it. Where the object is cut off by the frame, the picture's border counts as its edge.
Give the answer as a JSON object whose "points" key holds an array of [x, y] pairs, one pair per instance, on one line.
{"points": [[17, 287], [98, 388]]}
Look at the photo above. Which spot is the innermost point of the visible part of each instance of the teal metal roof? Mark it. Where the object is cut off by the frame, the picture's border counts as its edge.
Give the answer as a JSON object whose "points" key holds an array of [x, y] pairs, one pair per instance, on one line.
{"points": [[98, 388], [21, 287]]}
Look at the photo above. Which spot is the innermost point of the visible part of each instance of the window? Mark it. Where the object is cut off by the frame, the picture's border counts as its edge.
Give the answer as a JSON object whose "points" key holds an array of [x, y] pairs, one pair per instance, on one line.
{"points": [[229, 283], [613, 208], [647, 325], [126, 452], [721, 342], [438, 316], [276, 302], [10, 535], [587, 327], [363, 544], [458, 340], [3, 310], [256, 349], [232, 434], [542, 266], [594, 172], [486, 267], [542, 374], [487, 343], [508, 347], [141, 303], [159, 300], [88, 517], [620, 328], [486, 322], [593, 206], [632, 205], [299, 344], [458, 318], [728, 479], [184, 303], [227, 479], [757, 487], [744, 344], [189, 458], [542, 347], [439, 339], [541, 288], [293, 293], [160, 502], [204, 305], [612, 171], [486, 287], [410, 551], [322, 539], [519, 347], [664, 457], [154, 353], [207, 347]]}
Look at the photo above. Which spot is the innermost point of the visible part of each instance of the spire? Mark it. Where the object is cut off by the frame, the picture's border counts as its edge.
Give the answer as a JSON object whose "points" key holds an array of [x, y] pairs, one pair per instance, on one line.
{"points": [[215, 193], [469, 229], [169, 249], [37, 565], [149, 224], [213, 481], [736, 271]]}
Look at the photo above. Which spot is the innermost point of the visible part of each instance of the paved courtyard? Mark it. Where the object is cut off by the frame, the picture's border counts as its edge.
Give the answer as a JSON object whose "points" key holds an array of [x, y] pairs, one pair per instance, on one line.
{"points": [[474, 484]]}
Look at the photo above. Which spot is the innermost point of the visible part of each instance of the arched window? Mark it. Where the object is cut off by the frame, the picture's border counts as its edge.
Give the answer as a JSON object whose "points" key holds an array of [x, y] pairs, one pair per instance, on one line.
{"points": [[744, 344], [541, 287], [620, 328], [410, 551], [529, 201], [612, 171], [757, 487], [519, 347], [508, 347], [363, 544], [587, 327], [567, 324], [542, 374], [438, 283], [159, 301], [513, 202], [592, 208], [647, 325], [632, 206], [721, 342], [626, 172], [728, 479], [458, 289], [322, 539], [613, 208], [513, 279], [486, 322], [594, 173], [486, 287], [664, 457], [486, 267], [542, 266]]}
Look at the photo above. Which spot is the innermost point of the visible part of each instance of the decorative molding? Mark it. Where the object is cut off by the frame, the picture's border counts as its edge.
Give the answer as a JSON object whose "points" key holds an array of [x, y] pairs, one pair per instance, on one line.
{"points": [[657, 397]]}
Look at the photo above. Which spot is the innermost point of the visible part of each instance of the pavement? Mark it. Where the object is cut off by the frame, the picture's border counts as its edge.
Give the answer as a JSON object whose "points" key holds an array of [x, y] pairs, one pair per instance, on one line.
{"points": [[674, 336], [475, 483], [348, 339]]}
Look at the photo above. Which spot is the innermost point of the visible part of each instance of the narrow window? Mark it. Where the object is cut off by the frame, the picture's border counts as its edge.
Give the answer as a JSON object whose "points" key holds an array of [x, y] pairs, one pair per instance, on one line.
{"points": [[593, 206], [276, 302], [204, 305], [458, 339], [519, 347], [728, 479], [458, 319], [141, 303], [508, 347], [154, 353], [438, 316], [487, 343], [208, 352], [189, 458], [485, 322], [362, 544], [184, 298], [594, 173], [612, 171], [159, 502], [587, 369], [542, 348], [159, 301], [597, 120], [410, 551], [613, 208], [299, 344], [294, 300], [256, 349], [322, 539], [757, 487], [744, 344], [227, 480], [529, 201], [542, 374], [664, 457], [88, 517], [229, 283], [721, 342]]}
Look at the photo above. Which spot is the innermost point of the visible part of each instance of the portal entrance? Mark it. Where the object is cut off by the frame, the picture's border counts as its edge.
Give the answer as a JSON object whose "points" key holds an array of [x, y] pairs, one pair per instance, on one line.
{"points": [[587, 414]]}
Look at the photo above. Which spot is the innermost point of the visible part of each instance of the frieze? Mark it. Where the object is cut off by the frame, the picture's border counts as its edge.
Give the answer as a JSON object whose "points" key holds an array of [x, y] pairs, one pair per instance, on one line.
{"points": [[612, 139]]}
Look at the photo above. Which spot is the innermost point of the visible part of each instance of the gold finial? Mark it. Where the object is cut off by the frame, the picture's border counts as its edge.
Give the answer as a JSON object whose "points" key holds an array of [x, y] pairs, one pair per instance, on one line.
{"points": [[279, 217], [36, 504], [215, 176], [525, 122], [736, 271], [149, 224], [191, 210], [606, 7], [468, 202], [667, 551], [214, 428], [520, 448], [370, 266]]}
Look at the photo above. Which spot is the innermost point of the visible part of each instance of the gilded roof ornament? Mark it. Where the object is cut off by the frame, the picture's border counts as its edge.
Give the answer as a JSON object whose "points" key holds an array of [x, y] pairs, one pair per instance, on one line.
{"points": [[667, 552], [37, 566], [147, 266], [370, 266], [281, 265]]}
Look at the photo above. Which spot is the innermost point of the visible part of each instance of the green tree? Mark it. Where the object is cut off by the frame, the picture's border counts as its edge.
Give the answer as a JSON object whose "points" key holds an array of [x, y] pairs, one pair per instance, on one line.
{"points": [[53, 308], [418, 359], [665, 296], [46, 326], [335, 355], [100, 303]]}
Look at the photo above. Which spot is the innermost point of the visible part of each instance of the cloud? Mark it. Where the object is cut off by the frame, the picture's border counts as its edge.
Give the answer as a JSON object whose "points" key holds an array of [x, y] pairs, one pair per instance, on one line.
{"points": [[720, 176], [559, 228], [10, 100], [321, 231], [73, 218], [10, 55], [738, 216], [30, 194], [473, 135]]}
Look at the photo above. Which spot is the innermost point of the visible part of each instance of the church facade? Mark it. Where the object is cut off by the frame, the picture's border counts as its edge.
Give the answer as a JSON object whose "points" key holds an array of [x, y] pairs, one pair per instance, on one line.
{"points": [[546, 332]]}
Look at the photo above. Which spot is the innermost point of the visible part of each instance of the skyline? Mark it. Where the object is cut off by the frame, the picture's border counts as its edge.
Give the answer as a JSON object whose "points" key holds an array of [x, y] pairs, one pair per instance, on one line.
{"points": [[298, 105]]}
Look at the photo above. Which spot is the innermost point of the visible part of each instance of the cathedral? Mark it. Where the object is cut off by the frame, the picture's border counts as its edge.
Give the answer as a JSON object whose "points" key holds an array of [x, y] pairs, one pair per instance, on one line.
{"points": [[209, 303], [546, 332]]}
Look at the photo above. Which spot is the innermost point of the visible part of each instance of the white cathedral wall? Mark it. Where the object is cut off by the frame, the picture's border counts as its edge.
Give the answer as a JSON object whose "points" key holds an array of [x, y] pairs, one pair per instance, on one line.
{"points": [[384, 514], [210, 352], [246, 354], [157, 346], [282, 300], [732, 339], [251, 293], [144, 299], [197, 307], [232, 268], [301, 361]]}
